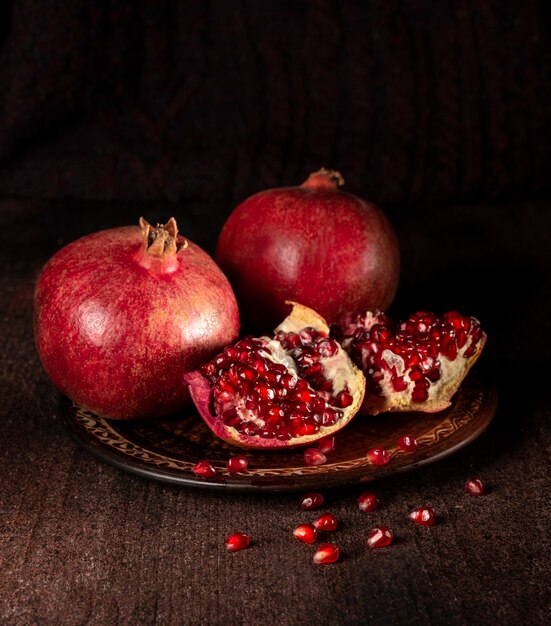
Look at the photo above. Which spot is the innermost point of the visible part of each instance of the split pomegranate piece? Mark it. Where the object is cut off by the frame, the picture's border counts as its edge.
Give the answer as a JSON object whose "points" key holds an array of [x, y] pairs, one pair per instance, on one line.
{"points": [[368, 501], [307, 533], [415, 365], [204, 469], [292, 389], [237, 464], [311, 501], [408, 443], [379, 537], [326, 553], [475, 487], [237, 541], [378, 456], [423, 516], [326, 522]]}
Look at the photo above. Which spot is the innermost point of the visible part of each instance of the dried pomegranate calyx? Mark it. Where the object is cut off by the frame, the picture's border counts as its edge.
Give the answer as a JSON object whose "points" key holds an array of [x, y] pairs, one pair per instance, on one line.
{"points": [[161, 240], [288, 390]]}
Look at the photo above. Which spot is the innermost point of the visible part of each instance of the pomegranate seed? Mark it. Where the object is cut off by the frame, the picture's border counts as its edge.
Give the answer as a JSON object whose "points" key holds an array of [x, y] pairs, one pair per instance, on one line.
{"points": [[327, 444], [423, 516], [368, 501], [306, 533], [311, 501], [344, 399], [237, 464], [379, 537], [378, 456], [475, 487], [408, 443], [326, 522], [237, 541], [326, 553], [204, 469], [313, 456]]}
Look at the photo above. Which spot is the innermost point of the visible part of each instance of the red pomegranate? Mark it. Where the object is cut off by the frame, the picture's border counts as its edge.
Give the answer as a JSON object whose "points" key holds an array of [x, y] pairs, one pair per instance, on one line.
{"points": [[415, 365], [313, 244], [122, 314], [274, 392]]}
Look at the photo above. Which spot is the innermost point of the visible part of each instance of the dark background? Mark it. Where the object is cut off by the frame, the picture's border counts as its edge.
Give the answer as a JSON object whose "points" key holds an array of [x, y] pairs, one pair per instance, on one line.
{"points": [[437, 110]]}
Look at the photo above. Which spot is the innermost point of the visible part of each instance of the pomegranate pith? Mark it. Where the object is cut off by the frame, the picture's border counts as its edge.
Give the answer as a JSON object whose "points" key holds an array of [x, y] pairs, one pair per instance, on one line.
{"points": [[307, 533], [279, 392], [311, 501], [313, 244], [117, 323], [475, 487], [415, 365], [423, 516], [379, 537], [326, 553], [327, 521], [368, 501], [237, 541]]}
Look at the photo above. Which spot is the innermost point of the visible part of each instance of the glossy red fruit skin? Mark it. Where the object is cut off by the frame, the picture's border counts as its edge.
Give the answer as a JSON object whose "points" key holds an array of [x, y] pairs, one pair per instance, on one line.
{"points": [[326, 553], [116, 330], [311, 501], [368, 502], [379, 537], [307, 533], [291, 243], [237, 541]]}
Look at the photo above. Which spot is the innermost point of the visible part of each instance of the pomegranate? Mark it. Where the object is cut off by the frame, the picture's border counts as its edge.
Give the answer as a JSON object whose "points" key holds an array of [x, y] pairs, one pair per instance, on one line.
{"points": [[408, 443], [204, 469], [311, 501], [289, 390], [368, 502], [378, 456], [307, 533], [327, 521], [327, 445], [416, 365], [237, 464], [475, 487], [121, 314], [379, 537], [424, 516], [326, 553], [329, 250], [237, 541], [314, 456]]}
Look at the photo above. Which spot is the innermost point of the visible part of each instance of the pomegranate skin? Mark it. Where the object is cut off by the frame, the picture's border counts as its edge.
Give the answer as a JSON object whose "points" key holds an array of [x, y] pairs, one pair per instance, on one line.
{"points": [[117, 328], [329, 250]]}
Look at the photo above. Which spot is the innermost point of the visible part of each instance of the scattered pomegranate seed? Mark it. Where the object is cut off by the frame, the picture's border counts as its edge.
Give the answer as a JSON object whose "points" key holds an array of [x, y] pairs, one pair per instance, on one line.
{"points": [[314, 456], [408, 443], [379, 537], [326, 553], [311, 501], [237, 464], [306, 533], [204, 469], [326, 522], [368, 501], [237, 541], [475, 487], [378, 456], [327, 444], [424, 516]]}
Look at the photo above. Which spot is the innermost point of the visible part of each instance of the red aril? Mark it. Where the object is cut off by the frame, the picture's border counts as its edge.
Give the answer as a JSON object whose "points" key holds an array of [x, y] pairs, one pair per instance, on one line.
{"points": [[475, 487], [327, 445], [307, 533], [204, 469], [415, 365], [314, 456], [368, 501], [281, 391], [408, 443], [237, 541], [326, 553], [122, 314], [379, 537], [378, 456], [327, 521], [311, 501], [329, 250], [423, 516], [237, 464]]}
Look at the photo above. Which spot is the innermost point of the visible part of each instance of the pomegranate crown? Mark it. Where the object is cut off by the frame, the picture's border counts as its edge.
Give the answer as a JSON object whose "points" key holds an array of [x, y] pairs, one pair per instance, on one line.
{"points": [[162, 239], [324, 179]]}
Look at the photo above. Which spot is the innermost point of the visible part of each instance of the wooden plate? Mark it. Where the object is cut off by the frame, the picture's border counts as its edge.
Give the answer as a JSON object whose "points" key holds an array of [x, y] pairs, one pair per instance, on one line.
{"points": [[166, 449]]}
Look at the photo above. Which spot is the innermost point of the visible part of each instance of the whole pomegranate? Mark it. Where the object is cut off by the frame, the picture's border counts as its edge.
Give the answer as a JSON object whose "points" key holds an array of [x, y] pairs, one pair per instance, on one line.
{"points": [[291, 389], [414, 365], [122, 314], [312, 244]]}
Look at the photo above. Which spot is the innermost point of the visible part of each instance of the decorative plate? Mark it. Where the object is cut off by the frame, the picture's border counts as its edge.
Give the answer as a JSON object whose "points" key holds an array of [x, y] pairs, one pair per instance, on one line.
{"points": [[167, 448]]}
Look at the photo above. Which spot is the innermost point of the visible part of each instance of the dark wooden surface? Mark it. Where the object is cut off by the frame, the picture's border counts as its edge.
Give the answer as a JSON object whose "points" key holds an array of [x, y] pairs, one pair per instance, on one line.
{"points": [[83, 543]]}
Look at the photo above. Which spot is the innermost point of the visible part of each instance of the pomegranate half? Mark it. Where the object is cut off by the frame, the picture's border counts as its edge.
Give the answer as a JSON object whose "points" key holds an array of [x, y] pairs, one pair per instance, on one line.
{"points": [[121, 314], [276, 392], [313, 244], [415, 365]]}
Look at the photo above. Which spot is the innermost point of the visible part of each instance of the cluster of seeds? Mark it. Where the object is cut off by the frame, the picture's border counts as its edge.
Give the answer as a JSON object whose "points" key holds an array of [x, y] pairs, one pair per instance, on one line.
{"points": [[258, 395], [410, 353]]}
